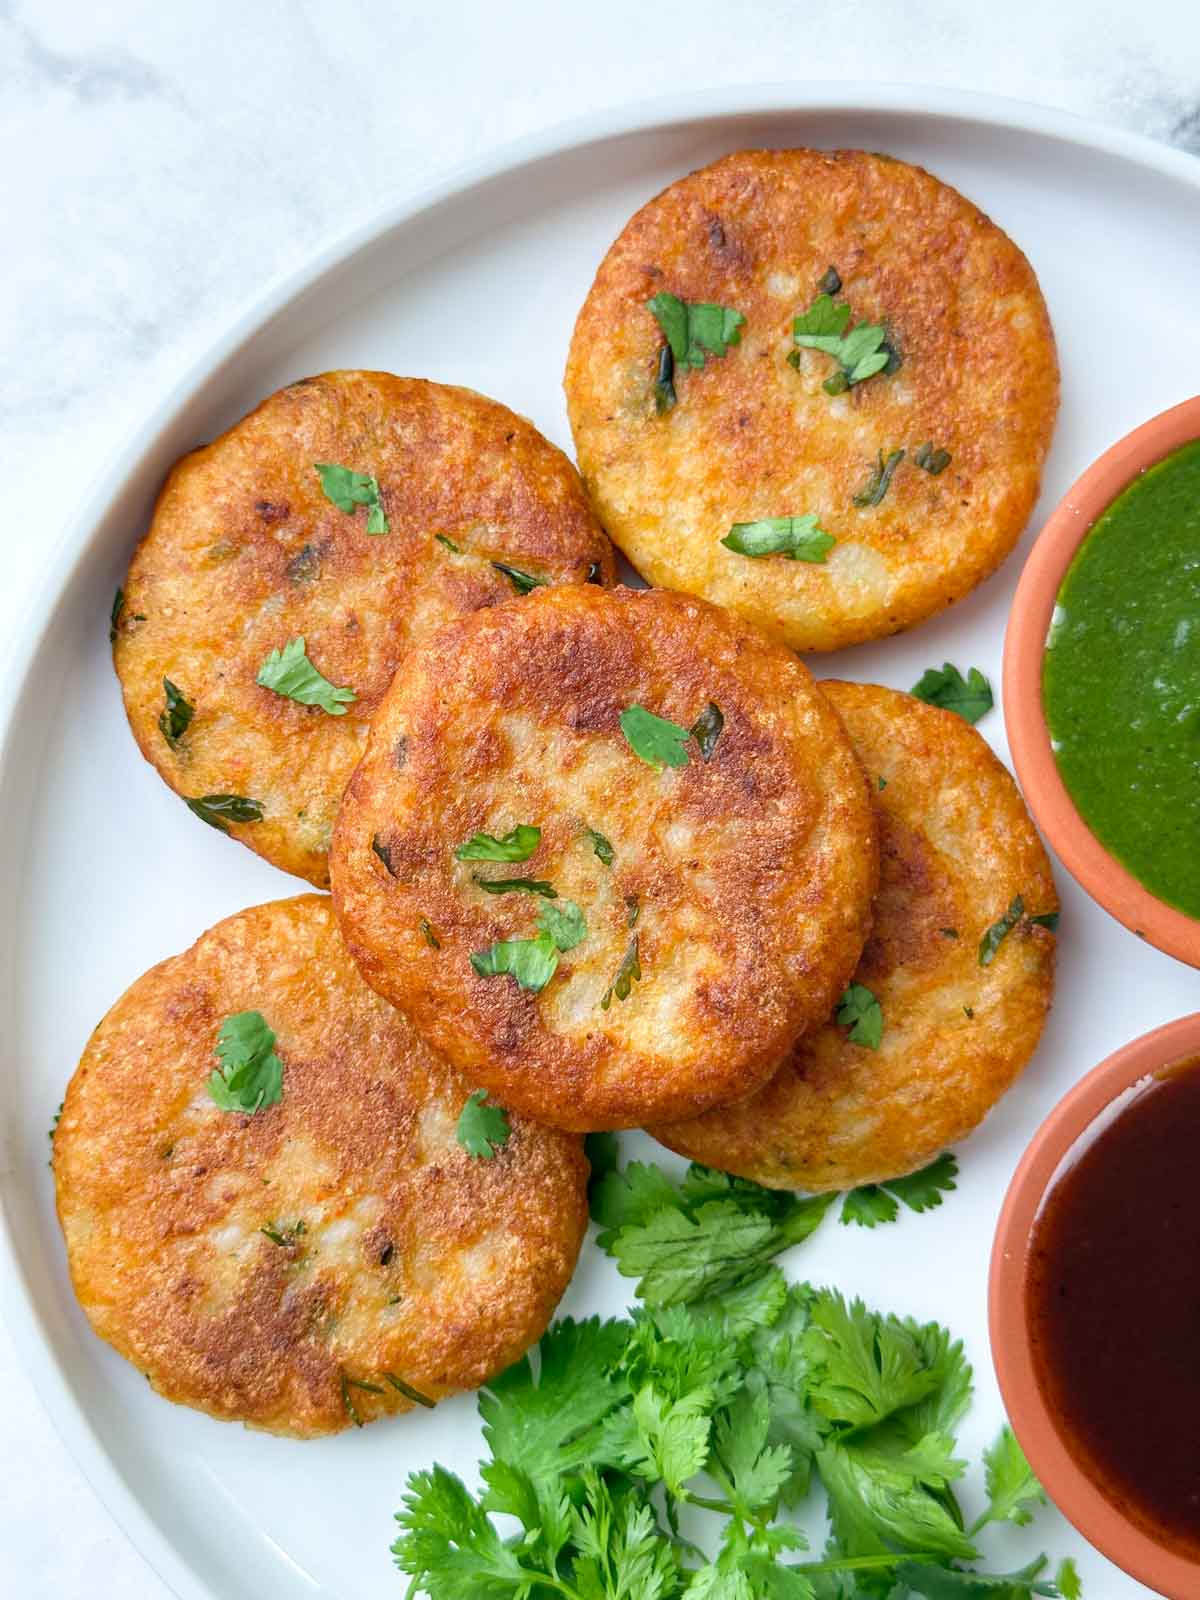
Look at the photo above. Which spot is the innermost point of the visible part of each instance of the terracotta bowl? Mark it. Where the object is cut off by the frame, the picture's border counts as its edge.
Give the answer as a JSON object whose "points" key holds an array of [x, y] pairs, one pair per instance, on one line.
{"points": [[1102, 875], [1062, 1137]]}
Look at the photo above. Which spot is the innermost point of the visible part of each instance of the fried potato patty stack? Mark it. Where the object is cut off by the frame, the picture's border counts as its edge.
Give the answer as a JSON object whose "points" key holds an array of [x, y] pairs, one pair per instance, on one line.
{"points": [[842, 337], [442, 502], [335, 1255], [960, 962], [698, 897]]}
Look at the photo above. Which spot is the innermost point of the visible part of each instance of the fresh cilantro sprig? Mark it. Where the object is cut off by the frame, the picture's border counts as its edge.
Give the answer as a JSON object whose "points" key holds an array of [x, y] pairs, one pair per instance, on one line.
{"points": [[658, 741], [874, 1203], [704, 1237], [251, 1074], [797, 538], [516, 845], [694, 330], [729, 1397], [970, 697], [860, 1011], [482, 1128], [533, 962], [860, 352], [661, 743], [348, 490], [290, 673]]}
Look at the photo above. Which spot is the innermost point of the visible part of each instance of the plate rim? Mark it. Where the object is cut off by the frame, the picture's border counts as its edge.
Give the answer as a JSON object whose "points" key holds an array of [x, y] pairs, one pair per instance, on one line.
{"points": [[712, 105]]}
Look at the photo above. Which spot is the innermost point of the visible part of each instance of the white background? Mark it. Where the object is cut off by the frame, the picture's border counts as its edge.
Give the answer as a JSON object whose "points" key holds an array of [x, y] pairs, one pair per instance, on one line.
{"points": [[162, 160]]}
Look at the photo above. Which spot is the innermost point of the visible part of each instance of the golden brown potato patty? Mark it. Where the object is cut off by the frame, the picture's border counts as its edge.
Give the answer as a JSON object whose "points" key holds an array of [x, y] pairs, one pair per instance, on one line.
{"points": [[737, 885], [957, 847], [246, 553], [753, 437], [288, 1268]]}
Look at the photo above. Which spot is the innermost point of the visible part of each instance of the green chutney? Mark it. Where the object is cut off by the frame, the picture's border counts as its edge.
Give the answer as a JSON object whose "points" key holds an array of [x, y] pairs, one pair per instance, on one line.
{"points": [[1121, 679]]}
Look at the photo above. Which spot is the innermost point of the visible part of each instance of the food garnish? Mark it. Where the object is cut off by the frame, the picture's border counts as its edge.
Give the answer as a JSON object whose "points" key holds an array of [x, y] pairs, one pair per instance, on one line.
{"points": [[628, 973], [516, 845], [933, 461], [920, 1191], [516, 886], [251, 1074], [706, 730], [726, 1392], [797, 538], [174, 718], [533, 962], [860, 1011], [1000, 930], [970, 697], [860, 352], [876, 486], [694, 330], [601, 846], [656, 740], [285, 1234], [291, 674], [349, 489], [218, 810], [482, 1126], [522, 582]]}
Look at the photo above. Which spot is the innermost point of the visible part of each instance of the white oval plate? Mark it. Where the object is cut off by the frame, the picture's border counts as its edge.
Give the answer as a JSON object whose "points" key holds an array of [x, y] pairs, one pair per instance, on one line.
{"points": [[103, 872]]}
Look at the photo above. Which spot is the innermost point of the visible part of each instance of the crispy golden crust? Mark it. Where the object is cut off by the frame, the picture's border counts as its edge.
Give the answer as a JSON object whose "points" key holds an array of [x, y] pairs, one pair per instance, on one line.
{"points": [[751, 437], [245, 553], [417, 1259], [752, 872], [957, 845]]}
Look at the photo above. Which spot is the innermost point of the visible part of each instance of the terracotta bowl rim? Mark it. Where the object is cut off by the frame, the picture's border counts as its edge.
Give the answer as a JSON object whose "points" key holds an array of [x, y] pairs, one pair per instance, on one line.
{"points": [[1109, 883], [1102, 1523]]}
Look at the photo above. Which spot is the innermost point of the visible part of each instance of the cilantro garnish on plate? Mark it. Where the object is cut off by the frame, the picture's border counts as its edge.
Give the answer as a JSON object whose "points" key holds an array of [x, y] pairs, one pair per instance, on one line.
{"points": [[516, 845], [348, 490], [219, 810], [874, 1203], [522, 582], [945, 686], [601, 847], [879, 480], [660, 743], [176, 716], [1000, 930], [533, 962], [797, 538], [694, 330], [860, 1011], [861, 352], [482, 1126], [729, 1394], [291, 674], [251, 1074]]}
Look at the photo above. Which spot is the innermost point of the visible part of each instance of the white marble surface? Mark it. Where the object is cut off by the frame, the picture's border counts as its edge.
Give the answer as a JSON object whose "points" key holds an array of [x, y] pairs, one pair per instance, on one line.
{"points": [[160, 159]]}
